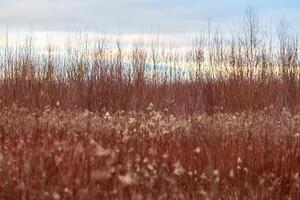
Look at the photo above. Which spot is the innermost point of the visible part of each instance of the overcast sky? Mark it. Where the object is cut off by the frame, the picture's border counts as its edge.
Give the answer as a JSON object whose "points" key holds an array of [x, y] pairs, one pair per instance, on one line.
{"points": [[135, 16]]}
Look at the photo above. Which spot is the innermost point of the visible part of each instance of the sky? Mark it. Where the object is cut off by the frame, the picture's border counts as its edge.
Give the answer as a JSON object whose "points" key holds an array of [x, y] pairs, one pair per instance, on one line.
{"points": [[139, 16]]}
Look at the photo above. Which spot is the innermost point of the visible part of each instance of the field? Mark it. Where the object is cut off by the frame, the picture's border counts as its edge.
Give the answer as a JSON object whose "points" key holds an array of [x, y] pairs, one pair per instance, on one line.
{"points": [[56, 154], [100, 120]]}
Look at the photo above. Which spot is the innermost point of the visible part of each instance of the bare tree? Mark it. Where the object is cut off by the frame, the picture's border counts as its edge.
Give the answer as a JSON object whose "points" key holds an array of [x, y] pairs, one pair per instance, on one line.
{"points": [[250, 30], [287, 44]]}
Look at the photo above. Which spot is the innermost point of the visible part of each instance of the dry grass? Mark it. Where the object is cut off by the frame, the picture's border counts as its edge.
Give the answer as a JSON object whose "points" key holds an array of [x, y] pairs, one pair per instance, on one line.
{"points": [[56, 154], [229, 74]]}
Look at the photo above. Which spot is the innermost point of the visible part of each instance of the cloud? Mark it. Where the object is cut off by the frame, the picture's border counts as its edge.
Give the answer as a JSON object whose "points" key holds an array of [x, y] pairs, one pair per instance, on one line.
{"points": [[133, 15]]}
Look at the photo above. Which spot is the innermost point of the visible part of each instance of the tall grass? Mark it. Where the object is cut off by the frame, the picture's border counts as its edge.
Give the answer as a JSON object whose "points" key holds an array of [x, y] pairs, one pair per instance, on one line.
{"points": [[245, 72], [57, 154]]}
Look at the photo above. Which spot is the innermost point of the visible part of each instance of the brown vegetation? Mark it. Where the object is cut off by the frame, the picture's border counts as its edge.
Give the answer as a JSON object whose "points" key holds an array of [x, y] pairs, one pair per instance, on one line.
{"points": [[56, 154], [218, 121], [233, 74]]}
